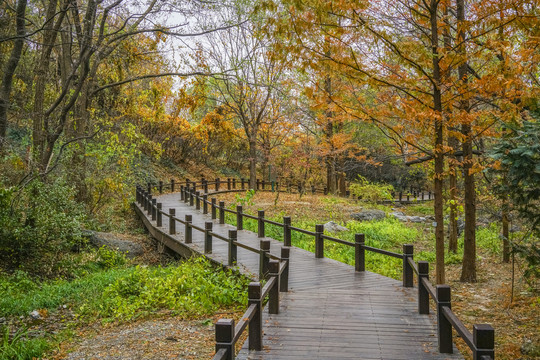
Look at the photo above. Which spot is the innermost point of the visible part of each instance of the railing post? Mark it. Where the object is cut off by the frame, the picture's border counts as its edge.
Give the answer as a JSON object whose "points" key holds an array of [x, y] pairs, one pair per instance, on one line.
{"points": [[187, 183], [217, 184], [299, 188], [159, 215], [214, 208], [444, 327], [319, 241], [429, 195], [325, 191], [258, 183], [198, 202], [239, 218], [149, 188], [260, 223], [186, 194], [222, 212], [228, 183], [255, 325], [284, 281], [172, 222], [313, 189], [408, 274], [191, 197], [232, 247], [234, 183], [181, 192], [224, 336], [189, 229], [400, 196], [205, 203], [149, 206], [208, 237], [273, 294], [160, 186], [359, 252], [172, 185], [287, 230], [145, 201], [243, 182], [263, 259], [263, 183], [484, 341], [205, 186], [423, 295], [154, 209]]}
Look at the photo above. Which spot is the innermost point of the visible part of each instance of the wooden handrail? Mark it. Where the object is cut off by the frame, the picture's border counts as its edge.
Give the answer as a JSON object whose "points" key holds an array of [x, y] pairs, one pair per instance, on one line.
{"points": [[481, 341]]}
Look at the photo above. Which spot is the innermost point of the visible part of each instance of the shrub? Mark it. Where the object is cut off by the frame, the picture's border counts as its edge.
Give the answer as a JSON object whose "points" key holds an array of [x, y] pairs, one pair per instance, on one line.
{"points": [[371, 191]]}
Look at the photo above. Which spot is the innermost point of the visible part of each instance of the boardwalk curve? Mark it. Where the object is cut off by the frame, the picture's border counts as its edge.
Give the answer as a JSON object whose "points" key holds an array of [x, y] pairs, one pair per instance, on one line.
{"points": [[330, 311]]}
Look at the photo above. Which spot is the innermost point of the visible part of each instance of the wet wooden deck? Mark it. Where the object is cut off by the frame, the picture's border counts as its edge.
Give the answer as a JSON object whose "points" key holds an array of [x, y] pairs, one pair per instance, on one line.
{"points": [[330, 311]]}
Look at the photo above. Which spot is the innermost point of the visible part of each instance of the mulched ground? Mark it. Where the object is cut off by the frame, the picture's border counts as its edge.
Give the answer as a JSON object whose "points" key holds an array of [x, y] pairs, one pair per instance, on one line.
{"points": [[167, 338]]}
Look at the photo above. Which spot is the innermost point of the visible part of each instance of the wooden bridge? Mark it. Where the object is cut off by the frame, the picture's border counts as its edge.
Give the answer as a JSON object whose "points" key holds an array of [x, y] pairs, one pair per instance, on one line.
{"points": [[318, 308]]}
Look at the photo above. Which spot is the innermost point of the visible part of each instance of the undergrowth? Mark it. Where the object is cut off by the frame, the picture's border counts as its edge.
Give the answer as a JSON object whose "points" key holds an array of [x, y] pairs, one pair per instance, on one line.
{"points": [[113, 291]]}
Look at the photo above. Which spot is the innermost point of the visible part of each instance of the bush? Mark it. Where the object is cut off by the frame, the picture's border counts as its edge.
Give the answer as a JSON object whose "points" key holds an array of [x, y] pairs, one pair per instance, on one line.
{"points": [[370, 191], [36, 224]]}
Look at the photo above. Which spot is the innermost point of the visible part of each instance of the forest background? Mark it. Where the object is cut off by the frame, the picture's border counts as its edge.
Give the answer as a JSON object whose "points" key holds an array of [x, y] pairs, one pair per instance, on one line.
{"points": [[99, 95]]}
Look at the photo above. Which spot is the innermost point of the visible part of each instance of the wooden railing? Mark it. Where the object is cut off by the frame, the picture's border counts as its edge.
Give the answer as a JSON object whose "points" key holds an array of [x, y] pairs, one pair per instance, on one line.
{"points": [[482, 339], [276, 269], [233, 184]]}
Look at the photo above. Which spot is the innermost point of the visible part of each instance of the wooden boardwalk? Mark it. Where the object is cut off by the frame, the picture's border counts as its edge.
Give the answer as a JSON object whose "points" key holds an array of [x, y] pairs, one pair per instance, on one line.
{"points": [[330, 311]]}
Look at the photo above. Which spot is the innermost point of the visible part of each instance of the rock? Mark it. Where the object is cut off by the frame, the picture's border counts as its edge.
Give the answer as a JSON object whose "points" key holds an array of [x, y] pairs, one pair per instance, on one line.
{"points": [[333, 227], [369, 215], [402, 217], [35, 315], [111, 241]]}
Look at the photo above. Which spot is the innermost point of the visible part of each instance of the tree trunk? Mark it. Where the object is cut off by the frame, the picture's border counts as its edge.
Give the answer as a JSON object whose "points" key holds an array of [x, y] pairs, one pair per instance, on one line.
{"points": [[468, 269], [9, 71], [505, 233], [452, 182], [252, 163], [331, 176], [438, 148]]}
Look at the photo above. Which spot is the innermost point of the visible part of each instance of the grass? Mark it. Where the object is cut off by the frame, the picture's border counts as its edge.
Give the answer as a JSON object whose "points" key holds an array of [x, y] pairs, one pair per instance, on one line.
{"points": [[388, 234], [117, 293]]}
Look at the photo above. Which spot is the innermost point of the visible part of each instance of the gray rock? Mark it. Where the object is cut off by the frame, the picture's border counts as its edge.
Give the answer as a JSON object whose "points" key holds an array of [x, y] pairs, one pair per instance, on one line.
{"points": [[402, 217], [35, 315], [369, 215], [333, 227], [100, 239], [530, 348]]}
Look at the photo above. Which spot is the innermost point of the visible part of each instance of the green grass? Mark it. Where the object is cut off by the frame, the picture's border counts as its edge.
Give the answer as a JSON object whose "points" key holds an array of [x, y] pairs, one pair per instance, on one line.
{"points": [[191, 288]]}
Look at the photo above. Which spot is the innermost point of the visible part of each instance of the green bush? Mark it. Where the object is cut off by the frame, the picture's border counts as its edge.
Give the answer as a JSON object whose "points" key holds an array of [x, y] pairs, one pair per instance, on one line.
{"points": [[37, 223], [371, 191]]}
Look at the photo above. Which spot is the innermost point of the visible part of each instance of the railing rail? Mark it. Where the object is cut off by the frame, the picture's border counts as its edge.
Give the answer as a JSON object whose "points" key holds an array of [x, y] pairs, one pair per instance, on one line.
{"points": [[481, 341], [276, 268]]}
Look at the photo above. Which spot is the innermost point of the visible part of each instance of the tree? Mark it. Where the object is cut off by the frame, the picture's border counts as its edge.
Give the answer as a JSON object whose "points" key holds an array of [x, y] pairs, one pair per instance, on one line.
{"points": [[11, 66], [248, 91]]}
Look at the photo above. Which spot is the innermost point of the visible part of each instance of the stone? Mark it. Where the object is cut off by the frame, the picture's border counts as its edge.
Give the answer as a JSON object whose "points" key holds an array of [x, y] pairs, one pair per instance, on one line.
{"points": [[405, 218], [111, 241], [369, 215], [333, 227]]}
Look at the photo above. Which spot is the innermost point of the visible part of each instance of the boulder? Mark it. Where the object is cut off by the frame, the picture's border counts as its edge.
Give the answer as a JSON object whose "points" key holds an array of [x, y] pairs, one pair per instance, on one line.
{"points": [[369, 215], [333, 227], [402, 217], [111, 241]]}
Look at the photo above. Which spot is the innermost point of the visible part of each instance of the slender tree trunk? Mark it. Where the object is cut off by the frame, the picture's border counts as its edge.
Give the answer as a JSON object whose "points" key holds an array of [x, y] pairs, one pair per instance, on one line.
{"points": [[438, 151], [11, 66], [252, 163], [452, 182], [468, 269], [505, 233], [331, 176]]}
